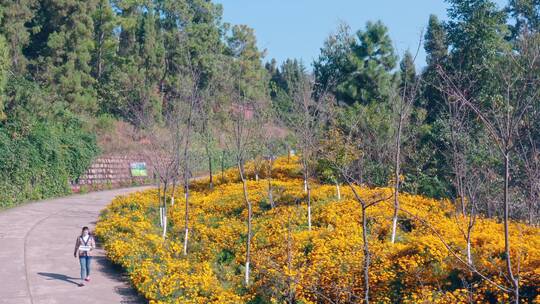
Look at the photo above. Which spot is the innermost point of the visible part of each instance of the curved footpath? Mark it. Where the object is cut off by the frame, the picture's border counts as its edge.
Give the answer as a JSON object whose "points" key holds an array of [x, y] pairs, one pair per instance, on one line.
{"points": [[36, 253]]}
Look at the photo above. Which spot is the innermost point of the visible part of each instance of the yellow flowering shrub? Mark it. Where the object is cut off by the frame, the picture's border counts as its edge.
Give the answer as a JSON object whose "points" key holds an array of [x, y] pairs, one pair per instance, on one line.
{"points": [[324, 265]]}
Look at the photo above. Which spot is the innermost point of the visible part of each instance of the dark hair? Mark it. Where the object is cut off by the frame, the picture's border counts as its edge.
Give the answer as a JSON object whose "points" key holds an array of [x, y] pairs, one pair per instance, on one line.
{"points": [[85, 228]]}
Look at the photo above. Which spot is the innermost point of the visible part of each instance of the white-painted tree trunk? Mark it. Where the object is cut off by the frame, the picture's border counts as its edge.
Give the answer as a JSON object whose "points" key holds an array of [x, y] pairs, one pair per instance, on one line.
{"points": [[338, 191], [394, 227], [161, 216], [309, 207], [469, 256], [186, 236], [164, 226], [246, 277]]}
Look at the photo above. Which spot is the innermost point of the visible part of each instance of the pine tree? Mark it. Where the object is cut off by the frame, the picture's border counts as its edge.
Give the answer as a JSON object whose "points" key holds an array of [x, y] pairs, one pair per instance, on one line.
{"points": [[436, 47], [476, 31], [407, 70], [105, 41], [283, 82], [61, 51], [128, 18], [12, 26], [435, 41], [242, 47], [369, 66], [329, 68]]}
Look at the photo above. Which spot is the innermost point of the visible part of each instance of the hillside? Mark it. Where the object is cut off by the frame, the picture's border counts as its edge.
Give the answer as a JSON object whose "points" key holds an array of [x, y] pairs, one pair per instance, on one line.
{"points": [[291, 264]]}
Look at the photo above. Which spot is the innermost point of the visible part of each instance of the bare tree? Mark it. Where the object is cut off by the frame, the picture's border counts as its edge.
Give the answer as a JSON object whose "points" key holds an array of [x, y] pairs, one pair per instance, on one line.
{"points": [[516, 90], [162, 155], [206, 114], [455, 253], [273, 142], [365, 203], [191, 96], [344, 156], [240, 128], [306, 123], [467, 181], [404, 99]]}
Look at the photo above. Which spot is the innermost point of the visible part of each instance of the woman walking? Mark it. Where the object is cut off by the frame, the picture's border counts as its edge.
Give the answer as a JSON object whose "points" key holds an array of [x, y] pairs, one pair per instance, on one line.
{"points": [[84, 244]]}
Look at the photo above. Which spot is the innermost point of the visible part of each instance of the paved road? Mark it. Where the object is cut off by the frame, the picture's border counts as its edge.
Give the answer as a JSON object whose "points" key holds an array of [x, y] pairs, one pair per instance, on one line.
{"points": [[36, 254]]}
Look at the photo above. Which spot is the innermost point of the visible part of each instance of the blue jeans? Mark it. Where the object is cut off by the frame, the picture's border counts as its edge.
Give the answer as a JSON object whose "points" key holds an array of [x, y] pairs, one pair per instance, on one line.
{"points": [[85, 266]]}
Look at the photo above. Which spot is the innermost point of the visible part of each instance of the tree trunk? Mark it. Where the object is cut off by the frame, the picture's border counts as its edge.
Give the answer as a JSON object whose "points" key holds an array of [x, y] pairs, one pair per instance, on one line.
{"points": [[270, 190], [211, 183], [396, 176], [366, 253], [470, 226], [160, 204], [511, 277], [270, 195], [164, 211], [160, 215], [309, 206], [248, 239], [223, 166], [99, 55], [367, 256], [462, 195], [173, 192], [288, 154], [187, 175], [469, 256], [186, 218], [532, 201], [164, 224], [307, 190]]}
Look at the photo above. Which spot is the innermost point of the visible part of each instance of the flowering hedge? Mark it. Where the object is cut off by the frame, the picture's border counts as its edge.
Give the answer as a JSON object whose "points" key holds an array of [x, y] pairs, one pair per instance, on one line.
{"points": [[324, 265]]}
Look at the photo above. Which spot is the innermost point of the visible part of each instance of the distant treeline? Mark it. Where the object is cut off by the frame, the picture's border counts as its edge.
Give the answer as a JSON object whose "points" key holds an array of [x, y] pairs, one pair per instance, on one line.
{"points": [[66, 64]]}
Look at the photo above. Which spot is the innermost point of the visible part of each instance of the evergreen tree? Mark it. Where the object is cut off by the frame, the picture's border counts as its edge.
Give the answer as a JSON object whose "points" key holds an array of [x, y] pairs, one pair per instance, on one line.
{"points": [[135, 82], [128, 12], [476, 31], [526, 14], [369, 67], [61, 49], [436, 47], [407, 70], [242, 47], [204, 37], [14, 15], [435, 41], [105, 41], [330, 67], [283, 82]]}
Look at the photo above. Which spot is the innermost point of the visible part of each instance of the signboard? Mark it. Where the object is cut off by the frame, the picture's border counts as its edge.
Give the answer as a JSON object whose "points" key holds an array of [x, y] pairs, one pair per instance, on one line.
{"points": [[85, 248], [138, 169]]}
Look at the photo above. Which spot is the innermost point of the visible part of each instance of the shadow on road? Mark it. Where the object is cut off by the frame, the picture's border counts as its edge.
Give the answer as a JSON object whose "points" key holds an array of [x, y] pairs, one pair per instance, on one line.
{"points": [[60, 277], [115, 272]]}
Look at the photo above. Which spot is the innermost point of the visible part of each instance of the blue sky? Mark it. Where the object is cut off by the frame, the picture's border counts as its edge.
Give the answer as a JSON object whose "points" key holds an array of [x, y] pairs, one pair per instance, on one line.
{"points": [[298, 28]]}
